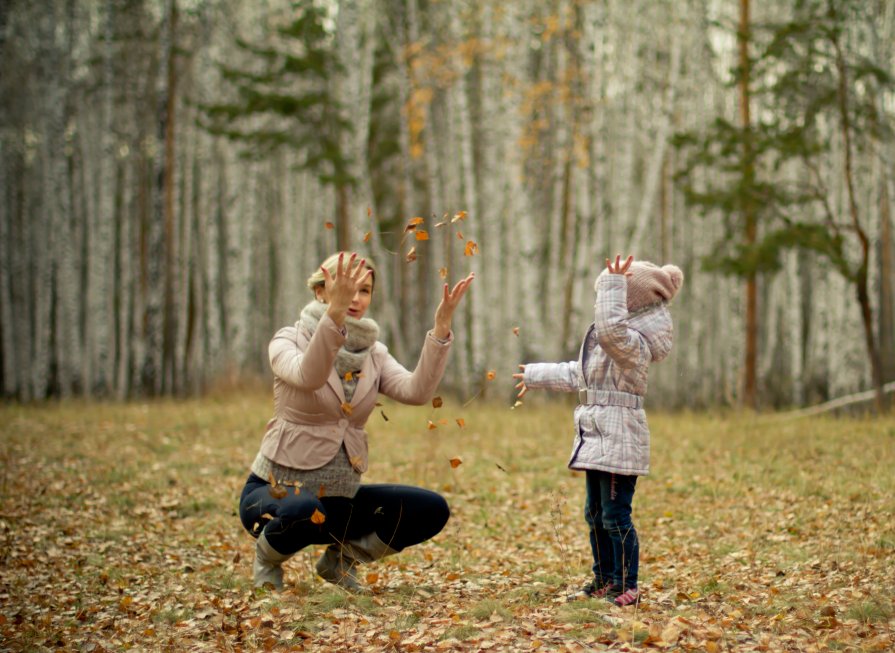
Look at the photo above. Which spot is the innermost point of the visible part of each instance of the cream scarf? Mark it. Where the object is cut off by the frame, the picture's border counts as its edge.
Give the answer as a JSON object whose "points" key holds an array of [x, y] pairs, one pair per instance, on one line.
{"points": [[362, 335]]}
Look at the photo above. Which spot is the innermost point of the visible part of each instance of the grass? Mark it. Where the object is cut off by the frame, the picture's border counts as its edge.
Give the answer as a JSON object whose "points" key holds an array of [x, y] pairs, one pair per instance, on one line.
{"points": [[751, 525]]}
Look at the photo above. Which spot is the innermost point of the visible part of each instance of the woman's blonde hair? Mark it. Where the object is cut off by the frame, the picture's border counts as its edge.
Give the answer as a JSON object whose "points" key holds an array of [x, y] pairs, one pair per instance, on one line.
{"points": [[317, 279]]}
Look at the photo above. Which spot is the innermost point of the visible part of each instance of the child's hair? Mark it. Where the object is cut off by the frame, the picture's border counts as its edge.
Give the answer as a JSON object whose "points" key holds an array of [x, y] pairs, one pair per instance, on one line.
{"points": [[317, 279]]}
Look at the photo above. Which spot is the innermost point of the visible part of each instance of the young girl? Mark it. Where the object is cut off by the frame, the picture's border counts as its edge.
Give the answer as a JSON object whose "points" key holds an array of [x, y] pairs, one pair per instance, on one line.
{"points": [[328, 372], [632, 328]]}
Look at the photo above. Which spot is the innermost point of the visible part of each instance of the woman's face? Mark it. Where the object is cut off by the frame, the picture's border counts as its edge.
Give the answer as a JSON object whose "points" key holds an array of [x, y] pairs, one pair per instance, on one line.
{"points": [[359, 304]]}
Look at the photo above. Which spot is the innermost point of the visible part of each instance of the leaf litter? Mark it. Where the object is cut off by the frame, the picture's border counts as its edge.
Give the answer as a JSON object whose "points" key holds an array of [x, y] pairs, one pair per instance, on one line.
{"points": [[120, 532]]}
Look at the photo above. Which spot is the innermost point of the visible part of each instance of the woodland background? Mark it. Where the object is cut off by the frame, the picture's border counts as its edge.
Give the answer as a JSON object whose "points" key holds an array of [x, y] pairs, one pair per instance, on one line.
{"points": [[172, 170]]}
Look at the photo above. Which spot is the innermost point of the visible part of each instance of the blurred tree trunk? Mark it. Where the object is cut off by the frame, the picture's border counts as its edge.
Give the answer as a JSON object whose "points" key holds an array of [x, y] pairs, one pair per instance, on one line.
{"points": [[750, 395]]}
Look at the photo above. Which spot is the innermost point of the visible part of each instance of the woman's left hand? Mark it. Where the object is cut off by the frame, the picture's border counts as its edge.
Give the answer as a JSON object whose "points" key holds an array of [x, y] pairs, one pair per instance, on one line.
{"points": [[449, 301]]}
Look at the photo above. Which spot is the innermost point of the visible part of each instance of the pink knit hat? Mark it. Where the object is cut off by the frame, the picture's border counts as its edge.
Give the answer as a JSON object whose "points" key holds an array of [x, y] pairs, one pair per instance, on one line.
{"points": [[649, 284]]}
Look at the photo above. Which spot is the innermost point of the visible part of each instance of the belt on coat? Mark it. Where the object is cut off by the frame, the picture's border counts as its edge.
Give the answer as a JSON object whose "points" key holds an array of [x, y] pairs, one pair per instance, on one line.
{"points": [[588, 397]]}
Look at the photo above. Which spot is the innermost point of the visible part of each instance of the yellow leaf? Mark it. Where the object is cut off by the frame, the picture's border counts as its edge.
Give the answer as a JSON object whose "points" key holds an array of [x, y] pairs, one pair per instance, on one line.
{"points": [[355, 461], [712, 647], [471, 248], [349, 376], [437, 402], [415, 221], [459, 215], [422, 234], [456, 462], [329, 225], [443, 272], [394, 635], [461, 422], [267, 515], [368, 236], [318, 517], [491, 375], [346, 408]]}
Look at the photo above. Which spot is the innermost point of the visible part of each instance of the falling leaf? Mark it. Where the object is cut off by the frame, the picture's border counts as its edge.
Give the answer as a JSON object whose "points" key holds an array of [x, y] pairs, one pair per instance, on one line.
{"points": [[456, 462], [459, 215], [411, 255], [460, 235], [412, 225], [437, 402], [501, 468], [321, 491], [369, 211], [297, 490], [384, 416], [432, 425], [368, 236], [440, 224], [443, 422], [422, 234], [516, 405], [267, 515], [356, 462], [491, 375], [276, 490], [255, 527], [346, 408], [471, 248], [515, 331], [318, 517], [443, 272], [348, 376], [461, 422], [329, 225]]}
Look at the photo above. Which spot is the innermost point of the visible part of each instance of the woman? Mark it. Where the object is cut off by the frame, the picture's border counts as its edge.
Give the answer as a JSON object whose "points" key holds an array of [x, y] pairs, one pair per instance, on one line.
{"points": [[304, 487]]}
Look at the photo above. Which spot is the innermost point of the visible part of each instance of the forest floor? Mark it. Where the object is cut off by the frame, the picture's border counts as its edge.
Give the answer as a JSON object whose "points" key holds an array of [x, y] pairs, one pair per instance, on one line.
{"points": [[118, 531]]}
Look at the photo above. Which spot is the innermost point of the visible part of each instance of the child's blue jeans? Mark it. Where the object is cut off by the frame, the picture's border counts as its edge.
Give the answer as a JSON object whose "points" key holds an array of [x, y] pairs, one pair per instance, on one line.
{"points": [[613, 539]]}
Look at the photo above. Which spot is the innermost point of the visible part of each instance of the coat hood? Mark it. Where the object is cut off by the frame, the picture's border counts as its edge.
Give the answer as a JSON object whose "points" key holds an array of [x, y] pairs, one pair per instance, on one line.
{"points": [[655, 325]]}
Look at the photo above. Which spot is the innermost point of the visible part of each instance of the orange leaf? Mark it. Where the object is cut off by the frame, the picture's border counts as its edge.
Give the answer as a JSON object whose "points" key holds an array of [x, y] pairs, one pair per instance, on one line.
{"points": [[415, 221], [442, 272], [349, 376], [515, 331], [460, 235], [431, 425], [318, 517], [422, 234], [471, 248], [346, 408], [369, 211], [456, 462], [277, 491], [372, 578], [490, 375], [461, 422], [368, 236], [460, 215], [437, 402], [329, 225], [411, 255], [321, 491], [443, 422]]}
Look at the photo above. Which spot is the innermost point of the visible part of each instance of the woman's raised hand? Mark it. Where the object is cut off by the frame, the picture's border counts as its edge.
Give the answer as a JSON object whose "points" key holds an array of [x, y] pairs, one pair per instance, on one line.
{"points": [[341, 288], [449, 301]]}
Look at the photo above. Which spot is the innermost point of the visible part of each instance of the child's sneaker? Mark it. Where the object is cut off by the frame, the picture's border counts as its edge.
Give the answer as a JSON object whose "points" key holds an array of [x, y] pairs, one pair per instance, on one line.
{"points": [[628, 597], [593, 590]]}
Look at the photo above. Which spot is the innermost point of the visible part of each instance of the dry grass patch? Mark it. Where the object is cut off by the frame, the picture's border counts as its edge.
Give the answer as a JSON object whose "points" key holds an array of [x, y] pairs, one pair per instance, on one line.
{"points": [[118, 530]]}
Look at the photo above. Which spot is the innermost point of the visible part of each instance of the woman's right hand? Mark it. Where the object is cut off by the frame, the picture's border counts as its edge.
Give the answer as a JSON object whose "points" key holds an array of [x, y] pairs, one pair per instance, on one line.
{"points": [[521, 387], [341, 289]]}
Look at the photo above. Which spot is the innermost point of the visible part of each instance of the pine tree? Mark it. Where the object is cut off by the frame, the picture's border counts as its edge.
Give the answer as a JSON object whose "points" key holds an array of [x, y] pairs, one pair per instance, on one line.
{"points": [[285, 97]]}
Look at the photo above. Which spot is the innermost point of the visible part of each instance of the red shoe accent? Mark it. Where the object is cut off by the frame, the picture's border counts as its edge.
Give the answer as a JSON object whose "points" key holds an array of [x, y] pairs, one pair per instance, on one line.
{"points": [[629, 597]]}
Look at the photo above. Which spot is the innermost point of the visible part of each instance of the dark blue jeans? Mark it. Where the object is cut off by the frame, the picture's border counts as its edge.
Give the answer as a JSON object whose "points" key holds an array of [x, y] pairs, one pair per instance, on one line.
{"points": [[401, 515], [613, 539]]}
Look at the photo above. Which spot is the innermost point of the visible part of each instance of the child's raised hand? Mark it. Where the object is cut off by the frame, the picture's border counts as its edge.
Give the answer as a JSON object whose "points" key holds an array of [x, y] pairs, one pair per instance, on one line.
{"points": [[620, 268], [521, 385]]}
